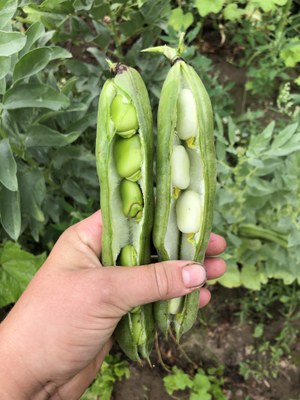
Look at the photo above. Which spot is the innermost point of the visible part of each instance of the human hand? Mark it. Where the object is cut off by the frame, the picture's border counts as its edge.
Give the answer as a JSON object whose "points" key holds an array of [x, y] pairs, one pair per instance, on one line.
{"points": [[55, 338]]}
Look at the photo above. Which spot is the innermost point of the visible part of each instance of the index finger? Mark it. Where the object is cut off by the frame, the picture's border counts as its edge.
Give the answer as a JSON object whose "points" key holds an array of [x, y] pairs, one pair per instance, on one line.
{"points": [[216, 245]]}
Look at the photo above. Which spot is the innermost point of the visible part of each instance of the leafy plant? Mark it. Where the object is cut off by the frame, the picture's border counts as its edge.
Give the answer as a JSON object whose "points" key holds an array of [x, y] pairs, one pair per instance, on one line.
{"points": [[112, 370], [17, 268], [260, 187], [204, 386]]}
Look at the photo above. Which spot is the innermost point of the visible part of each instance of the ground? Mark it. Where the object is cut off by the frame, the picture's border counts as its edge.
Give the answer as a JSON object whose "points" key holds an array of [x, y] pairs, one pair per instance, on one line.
{"points": [[218, 338]]}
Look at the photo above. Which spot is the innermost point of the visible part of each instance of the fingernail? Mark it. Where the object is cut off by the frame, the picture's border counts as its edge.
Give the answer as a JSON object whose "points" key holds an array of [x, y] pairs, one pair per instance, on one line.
{"points": [[193, 275]]}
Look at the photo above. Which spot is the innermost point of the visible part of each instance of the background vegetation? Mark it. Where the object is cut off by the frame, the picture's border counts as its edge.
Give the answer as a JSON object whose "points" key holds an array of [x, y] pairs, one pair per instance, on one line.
{"points": [[52, 67]]}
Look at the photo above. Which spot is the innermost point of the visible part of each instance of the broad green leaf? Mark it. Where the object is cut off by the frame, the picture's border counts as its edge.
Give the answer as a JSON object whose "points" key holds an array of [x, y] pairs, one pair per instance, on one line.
{"points": [[7, 11], [34, 95], [232, 277], [17, 268], [290, 147], [232, 12], [260, 143], [259, 187], [32, 63], [208, 6], [250, 277], [284, 136], [290, 54], [268, 5], [73, 189], [10, 212], [11, 43], [42, 136], [231, 130], [179, 21], [2, 89], [59, 53], [33, 33], [4, 66], [8, 166], [32, 193], [178, 380], [201, 382]]}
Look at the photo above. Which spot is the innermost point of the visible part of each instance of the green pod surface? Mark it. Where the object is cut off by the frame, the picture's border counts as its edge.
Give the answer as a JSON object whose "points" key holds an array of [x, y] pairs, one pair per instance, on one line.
{"points": [[135, 335], [170, 242]]}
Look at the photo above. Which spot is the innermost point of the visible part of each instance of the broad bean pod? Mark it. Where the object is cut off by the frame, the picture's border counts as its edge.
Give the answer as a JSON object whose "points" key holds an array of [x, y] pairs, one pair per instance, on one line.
{"points": [[185, 181], [124, 157]]}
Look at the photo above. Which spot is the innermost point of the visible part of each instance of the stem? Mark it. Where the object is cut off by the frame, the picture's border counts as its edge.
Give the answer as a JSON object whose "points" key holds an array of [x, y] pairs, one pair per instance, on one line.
{"points": [[283, 20], [117, 41]]}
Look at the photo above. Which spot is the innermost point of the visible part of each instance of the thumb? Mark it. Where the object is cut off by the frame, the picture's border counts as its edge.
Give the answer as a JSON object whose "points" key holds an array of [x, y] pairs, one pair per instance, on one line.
{"points": [[134, 286]]}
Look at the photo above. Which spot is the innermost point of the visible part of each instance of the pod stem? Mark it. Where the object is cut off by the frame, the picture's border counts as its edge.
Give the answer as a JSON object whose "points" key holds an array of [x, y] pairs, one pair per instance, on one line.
{"points": [[169, 52]]}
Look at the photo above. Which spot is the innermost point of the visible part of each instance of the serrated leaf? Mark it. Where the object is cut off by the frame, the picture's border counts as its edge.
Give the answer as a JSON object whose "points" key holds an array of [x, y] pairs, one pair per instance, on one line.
{"points": [[32, 63], [10, 212], [42, 136], [7, 11], [17, 268], [8, 166], [34, 95], [11, 43]]}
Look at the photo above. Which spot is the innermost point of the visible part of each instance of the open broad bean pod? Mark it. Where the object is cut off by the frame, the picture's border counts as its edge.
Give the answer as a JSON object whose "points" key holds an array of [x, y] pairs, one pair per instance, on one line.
{"points": [[185, 181], [124, 156]]}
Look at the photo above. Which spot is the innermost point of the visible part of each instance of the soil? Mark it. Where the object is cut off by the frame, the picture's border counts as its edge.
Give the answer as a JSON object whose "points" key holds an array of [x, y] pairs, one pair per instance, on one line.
{"points": [[217, 338]]}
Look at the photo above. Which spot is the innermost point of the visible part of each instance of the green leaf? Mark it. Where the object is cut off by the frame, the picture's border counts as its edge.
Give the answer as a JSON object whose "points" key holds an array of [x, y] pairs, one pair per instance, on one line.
{"points": [[232, 277], [7, 11], [42, 136], [284, 136], [73, 189], [32, 193], [8, 166], [258, 331], [10, 212], [33, 33], [34, 95], [11, 43], [179, 21], [232, 12], [201, 382], [268, 5], [5, 63], [178, 380], [250, 277], [17, 268], [59, 53], [32, 63], [208, 6], [290, 54]]}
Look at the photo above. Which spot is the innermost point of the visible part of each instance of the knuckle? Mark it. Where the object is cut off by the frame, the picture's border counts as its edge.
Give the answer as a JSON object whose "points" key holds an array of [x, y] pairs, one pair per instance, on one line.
{"points": [[162, 280]]}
